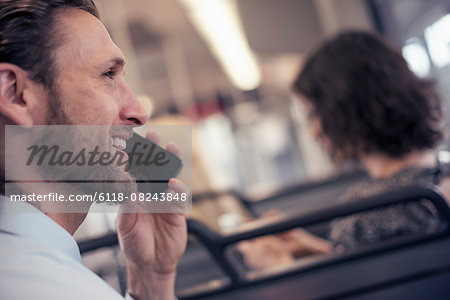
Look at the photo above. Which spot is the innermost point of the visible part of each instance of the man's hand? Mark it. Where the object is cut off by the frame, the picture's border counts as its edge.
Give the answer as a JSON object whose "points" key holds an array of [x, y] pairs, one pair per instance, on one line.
{"points": [[152, 244]]}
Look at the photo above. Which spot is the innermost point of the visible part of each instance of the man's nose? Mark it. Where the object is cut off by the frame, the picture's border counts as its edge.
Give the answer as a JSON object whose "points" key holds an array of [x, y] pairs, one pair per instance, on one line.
{"points": [[132, 112]]}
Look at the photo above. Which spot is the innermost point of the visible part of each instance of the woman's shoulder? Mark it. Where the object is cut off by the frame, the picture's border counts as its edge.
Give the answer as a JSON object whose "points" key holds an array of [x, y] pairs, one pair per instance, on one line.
{"points": [[374, 226], [404, 178], [445, 169]]}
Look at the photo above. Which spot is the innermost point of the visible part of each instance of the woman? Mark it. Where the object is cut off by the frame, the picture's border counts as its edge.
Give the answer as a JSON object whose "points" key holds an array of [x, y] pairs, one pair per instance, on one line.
{"points": [[365, 104]]}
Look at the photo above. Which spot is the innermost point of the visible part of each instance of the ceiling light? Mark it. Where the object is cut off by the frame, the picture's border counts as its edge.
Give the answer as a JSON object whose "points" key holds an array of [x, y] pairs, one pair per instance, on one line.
{"points": [[218, 23]]}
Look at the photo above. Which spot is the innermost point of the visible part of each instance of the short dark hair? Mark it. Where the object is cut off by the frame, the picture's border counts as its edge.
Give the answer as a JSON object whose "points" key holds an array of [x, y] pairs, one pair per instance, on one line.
{"points": [[28, 35], [368, 100]]}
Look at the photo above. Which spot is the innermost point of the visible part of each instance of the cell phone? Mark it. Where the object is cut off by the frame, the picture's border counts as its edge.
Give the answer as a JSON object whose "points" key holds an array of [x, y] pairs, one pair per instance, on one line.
{"points": [[151, 165]]}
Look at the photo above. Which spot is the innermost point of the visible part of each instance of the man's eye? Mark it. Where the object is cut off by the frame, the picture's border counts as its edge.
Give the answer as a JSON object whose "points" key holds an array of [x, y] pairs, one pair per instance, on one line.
{"points": [[109, 74]]}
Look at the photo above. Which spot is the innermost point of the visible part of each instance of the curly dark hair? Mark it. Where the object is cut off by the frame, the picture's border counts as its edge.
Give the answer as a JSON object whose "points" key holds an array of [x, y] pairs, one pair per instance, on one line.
{"points": [[368, 100], [28, 35]]}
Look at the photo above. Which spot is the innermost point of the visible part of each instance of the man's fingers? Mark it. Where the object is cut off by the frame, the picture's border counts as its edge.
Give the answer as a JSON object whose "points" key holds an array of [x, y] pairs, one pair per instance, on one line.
{"points": [[153, 137], [178, 186], [173, 147]]}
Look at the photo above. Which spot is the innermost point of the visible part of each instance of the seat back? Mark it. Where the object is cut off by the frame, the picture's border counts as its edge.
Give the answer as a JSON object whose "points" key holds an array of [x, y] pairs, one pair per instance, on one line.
{"points": [[407, 266]]}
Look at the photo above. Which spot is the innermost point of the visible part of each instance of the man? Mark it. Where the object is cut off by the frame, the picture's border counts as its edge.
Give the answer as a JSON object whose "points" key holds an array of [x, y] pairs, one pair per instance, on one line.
{"points": [[58, 65]]}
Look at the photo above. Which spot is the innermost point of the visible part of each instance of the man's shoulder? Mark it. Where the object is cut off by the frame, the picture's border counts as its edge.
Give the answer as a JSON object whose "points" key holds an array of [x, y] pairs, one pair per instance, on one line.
{"points": [[29, 270], [21, 257], [18, 249]]}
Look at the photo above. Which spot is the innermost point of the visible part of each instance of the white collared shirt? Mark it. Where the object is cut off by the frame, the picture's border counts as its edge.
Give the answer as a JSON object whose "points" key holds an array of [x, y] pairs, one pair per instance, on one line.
{"points": [[39, 260]]}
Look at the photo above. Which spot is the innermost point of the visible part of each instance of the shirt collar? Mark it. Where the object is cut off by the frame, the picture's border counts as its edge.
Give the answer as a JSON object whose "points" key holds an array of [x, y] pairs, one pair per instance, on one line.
{"points": [[31, 223]]}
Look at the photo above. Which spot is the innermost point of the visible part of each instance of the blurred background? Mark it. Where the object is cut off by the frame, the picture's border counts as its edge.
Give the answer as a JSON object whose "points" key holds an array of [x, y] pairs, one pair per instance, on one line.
{"points": [[226, 66]]}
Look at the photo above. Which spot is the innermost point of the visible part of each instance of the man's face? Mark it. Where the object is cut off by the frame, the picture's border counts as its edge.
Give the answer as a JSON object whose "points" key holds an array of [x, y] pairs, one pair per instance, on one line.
{"points": [[89, 79], [89, 86]]}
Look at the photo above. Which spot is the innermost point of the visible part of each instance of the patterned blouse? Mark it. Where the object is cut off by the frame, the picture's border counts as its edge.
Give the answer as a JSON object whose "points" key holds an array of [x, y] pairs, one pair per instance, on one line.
{"points": [[382, 224]]}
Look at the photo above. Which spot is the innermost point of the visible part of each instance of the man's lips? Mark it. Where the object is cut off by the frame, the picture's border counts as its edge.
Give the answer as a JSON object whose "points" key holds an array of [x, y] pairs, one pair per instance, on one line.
{"points": [[123, 135]]}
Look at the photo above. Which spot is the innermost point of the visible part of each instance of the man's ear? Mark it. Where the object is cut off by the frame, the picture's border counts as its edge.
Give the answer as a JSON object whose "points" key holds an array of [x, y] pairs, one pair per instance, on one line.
{"points": [[17, 92]]}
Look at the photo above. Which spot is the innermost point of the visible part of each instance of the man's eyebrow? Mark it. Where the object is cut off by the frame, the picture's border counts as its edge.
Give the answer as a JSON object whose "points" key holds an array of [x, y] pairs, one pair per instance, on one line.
{"points": [[114, 62]]}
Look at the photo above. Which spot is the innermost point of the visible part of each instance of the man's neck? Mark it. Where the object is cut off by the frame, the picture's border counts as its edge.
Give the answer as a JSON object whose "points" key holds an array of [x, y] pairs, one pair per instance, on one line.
{"points": [[383, 166]]}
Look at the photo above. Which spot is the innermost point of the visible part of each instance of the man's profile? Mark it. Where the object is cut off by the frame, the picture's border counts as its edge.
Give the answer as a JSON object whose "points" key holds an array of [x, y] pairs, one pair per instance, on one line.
{"points": [[59, 66]]}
